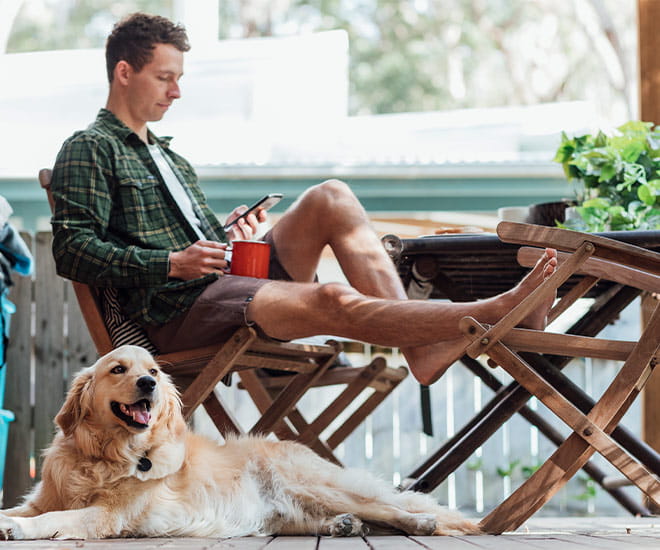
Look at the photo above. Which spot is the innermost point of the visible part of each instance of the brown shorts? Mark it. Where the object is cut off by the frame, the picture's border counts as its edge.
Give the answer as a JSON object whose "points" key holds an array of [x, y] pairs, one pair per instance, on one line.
{"points": [[218, 311]]}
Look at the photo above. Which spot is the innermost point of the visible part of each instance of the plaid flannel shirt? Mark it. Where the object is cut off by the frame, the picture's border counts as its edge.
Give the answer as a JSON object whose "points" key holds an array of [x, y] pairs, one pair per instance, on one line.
{"points": [[115, 221]]}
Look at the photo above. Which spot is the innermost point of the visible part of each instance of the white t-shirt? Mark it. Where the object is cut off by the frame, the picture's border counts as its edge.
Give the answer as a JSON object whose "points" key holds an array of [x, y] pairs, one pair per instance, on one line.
{"points": [[175, 187]]}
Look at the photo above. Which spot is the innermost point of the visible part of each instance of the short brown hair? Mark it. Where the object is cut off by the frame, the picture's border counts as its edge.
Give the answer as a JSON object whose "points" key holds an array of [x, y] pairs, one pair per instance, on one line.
{"points": [[133, 39]]}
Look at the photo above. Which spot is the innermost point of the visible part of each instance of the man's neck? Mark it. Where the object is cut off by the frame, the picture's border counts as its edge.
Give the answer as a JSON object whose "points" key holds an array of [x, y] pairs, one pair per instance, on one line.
{"points": [[139, 127]]}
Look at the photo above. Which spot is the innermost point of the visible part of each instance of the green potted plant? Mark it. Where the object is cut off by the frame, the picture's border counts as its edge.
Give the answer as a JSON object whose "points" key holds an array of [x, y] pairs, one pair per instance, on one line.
{"points": [[616, 177]]}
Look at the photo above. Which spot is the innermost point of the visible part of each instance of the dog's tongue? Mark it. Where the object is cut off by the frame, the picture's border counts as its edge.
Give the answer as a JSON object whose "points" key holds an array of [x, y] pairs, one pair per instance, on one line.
{"points": [[139, 412]]}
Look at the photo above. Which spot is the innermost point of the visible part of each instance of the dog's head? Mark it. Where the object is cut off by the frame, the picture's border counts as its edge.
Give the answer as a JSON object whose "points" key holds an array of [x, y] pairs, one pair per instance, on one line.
{"points": [[124, 388], [125, 409]]}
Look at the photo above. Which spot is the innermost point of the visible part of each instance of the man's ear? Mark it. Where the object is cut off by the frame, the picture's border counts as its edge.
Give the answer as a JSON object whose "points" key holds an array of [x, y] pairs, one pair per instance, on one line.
{"points": [[122, 72]]}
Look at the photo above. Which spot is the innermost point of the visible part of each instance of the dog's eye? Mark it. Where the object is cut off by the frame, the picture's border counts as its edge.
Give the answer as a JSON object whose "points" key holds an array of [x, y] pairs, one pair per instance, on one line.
{"points": [[153, 372], [119, 369]]}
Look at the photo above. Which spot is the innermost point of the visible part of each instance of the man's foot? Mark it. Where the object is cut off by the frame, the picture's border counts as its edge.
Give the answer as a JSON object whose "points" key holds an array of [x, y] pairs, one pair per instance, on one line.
{"points": [[429, 362], [546, 266]]}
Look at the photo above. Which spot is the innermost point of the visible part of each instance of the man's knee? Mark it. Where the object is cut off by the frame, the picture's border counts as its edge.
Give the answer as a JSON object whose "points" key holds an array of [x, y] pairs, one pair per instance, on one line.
{"points": [[332, 191], [336, 187], [334, 201]]}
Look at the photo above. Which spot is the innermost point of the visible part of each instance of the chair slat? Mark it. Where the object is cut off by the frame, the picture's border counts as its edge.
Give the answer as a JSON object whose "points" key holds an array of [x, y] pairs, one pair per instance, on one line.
{"points": [[570, 241], [568, 345], [600, 268]]}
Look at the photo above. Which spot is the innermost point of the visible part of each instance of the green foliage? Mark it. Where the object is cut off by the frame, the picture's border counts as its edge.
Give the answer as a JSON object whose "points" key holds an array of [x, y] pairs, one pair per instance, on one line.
{"points": [[617, 177], [589, 491], [75, 24], [526, 470], [508, 470], [475, 465]]}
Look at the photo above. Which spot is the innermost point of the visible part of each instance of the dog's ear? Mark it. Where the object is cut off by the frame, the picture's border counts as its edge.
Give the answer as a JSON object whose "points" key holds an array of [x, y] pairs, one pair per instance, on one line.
{"points": [[171, 413], [77, 402], [173, 410]]}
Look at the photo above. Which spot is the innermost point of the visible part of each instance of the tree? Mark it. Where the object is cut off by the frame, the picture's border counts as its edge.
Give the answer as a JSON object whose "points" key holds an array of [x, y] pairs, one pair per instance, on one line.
{"points": [[73, 24], [416, 55]]}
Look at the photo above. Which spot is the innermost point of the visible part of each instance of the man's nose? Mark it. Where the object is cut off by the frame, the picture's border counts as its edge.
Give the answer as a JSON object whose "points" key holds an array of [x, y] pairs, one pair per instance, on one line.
{"points": [[174, 91]]}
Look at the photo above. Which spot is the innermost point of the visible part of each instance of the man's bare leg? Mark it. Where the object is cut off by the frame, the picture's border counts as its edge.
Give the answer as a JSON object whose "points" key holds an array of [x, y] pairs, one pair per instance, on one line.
{"points": [[295, 310], [431, 361], [329, 214]]}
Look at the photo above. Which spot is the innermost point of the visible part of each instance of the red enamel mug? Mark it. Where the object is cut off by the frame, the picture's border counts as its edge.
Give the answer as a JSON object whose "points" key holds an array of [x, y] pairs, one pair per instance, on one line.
{"points": [[250, 259]]}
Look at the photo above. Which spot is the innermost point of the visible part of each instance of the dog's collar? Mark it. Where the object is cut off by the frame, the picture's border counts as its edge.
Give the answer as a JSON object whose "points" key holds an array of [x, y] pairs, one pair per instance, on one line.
{"points": [[144, 464]]}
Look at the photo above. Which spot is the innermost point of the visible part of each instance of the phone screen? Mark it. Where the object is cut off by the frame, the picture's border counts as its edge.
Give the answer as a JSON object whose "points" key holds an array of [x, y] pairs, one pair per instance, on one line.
{"points": [[265, 203]]}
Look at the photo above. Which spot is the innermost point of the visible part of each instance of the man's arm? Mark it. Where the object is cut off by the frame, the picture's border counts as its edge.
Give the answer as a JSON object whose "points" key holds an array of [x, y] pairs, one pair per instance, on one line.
{"points": [[83, 248]]}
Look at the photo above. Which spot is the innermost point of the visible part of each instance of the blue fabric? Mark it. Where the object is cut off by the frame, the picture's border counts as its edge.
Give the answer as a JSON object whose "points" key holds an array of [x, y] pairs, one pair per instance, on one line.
{"points": [[16, 256], [14, 251], [7, 308]]}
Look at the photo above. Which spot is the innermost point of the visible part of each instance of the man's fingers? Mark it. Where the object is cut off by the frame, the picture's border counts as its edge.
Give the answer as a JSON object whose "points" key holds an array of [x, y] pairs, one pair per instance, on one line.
{"points": [[251, 224], [211, 244]]}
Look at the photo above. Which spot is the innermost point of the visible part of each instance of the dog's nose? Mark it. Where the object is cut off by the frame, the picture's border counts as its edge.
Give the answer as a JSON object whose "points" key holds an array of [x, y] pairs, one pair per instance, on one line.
{"points": [[146, 384]]}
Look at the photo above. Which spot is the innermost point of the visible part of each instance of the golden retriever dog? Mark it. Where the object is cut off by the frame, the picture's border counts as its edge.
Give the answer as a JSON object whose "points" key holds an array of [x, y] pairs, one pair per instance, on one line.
{"points": [[124, 464]]}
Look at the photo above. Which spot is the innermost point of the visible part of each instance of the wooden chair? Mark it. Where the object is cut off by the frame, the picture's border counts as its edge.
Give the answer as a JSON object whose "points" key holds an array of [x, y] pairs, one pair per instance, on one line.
{"points": [[477, 267], [301, 366], [595, 258]]}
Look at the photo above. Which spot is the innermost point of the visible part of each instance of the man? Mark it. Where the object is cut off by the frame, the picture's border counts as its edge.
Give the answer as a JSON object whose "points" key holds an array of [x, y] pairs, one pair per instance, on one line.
{"points": [[129, 214]]}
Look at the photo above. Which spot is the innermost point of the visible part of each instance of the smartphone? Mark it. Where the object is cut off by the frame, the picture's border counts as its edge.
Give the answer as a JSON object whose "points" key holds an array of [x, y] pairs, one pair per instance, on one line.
{"points": [[265, 203]]}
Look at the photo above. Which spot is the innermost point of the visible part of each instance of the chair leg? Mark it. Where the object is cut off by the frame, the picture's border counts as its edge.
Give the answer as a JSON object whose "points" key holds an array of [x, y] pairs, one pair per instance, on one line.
{"points": [[319, 446], [290, 395], [492, 416], [264, 398], [511, 398], [352, 390], [571, 391], [590, 432], [369, 405], [593, 430], [215, 370], [221, 416]]}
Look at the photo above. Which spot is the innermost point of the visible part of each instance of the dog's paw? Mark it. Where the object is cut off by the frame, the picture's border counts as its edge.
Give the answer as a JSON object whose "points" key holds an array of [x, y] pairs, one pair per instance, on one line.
{"points": [[422, 524], [346, 525], [462, 527], [9, 529]]}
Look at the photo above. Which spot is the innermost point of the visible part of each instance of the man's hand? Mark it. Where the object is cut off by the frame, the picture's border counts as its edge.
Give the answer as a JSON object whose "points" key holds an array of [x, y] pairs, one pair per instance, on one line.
{"points": [[245, 228], [199, 259]]}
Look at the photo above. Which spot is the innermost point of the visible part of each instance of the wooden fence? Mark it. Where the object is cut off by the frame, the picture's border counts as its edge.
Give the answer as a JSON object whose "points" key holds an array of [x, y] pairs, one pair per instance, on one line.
{"points": [[49, 343]]}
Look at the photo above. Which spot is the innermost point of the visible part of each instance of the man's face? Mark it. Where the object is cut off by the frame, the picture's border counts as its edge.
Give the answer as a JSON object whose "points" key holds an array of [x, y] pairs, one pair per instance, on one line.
{"points": [[152, 90]]}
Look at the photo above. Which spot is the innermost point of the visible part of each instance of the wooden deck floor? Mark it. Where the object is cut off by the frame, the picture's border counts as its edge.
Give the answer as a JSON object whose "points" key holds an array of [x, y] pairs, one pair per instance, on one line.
{"points": [[542, 533]]}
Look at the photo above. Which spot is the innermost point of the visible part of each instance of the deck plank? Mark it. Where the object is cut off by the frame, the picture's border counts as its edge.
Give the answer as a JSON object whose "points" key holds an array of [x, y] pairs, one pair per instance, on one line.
{"points": [[512, 542], [448, 543], [392, 542], [536, 534], [550, 542], [590, 541], [292, 543], [637, 541], [348, 543]]}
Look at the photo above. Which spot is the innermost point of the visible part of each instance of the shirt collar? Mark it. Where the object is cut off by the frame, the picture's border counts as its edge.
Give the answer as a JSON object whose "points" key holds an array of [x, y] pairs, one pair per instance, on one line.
{"points": [[108, 120]]}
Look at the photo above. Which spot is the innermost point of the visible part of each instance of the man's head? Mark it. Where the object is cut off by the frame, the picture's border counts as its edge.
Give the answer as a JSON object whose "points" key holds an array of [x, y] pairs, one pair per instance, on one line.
{"points": [[134, 38], [144, 56]]}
